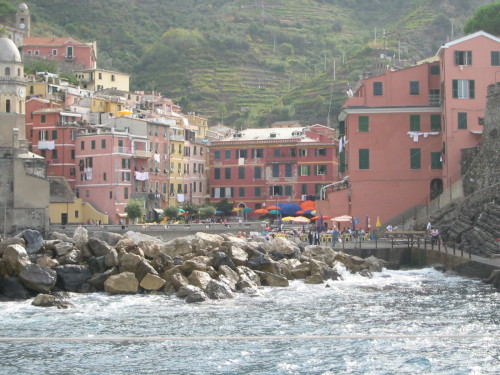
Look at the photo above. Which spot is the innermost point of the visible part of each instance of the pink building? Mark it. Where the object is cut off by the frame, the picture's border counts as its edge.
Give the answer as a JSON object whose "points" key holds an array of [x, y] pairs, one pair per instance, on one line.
{"points": [[51, 132], [257, 168], [402, 133], [63, 49]]}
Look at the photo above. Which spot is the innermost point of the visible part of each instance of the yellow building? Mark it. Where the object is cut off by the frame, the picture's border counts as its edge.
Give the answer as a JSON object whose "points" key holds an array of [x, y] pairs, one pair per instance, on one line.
{"points": [[100, 79], [109, 104]]}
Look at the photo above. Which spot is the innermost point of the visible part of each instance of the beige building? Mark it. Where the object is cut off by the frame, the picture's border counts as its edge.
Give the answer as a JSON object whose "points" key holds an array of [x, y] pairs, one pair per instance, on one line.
{"points": [[24, 188], [100, 79]]}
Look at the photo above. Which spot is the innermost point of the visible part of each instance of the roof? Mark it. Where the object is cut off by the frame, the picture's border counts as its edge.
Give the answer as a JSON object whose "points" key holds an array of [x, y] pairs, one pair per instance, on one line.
{"points": [[9, 51], [52, 41], [268, 134], [468, 37]]}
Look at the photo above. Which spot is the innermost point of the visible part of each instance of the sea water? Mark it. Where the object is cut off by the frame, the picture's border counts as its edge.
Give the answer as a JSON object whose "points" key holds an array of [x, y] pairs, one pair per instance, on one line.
{"points": [[398, 322]]}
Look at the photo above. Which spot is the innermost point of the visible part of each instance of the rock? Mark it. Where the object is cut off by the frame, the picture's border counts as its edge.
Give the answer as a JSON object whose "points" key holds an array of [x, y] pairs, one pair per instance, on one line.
{"points": [[123, 283], [176, 247], [301, 271], [284, 246], [15, 258], [212, 240], [247, 277], [199, 279], [178, 280], [161, 262], [60, 237], [196, 263], [238, 256], [376, 264], [228, 276], [11, 241], [258, 261], [314, 279], [97, 265], [143, 268], [62, 248], [270, 279], [47, 300], [494, 279], [152, 282], [126, 244], [219, 259], [129, 262], [80, 238], [150, 249], [70, 277], [12, 288], [34, 241], [39, 278], [218, 290], [137, 237], [72, 257], [97, 281], [366, 273], [196, 297], [192, 294], [98, 247], [109, 237], [111, 258]]}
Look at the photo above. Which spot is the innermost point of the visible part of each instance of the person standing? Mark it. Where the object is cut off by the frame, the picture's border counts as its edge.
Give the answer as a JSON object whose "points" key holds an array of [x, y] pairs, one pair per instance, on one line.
{"points": [[316, 238], [310, 237], [335, 236]]}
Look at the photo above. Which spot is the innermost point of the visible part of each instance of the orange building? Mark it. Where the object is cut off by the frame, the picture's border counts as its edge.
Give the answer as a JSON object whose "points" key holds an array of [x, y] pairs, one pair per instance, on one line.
{"points": [[401, 134]]}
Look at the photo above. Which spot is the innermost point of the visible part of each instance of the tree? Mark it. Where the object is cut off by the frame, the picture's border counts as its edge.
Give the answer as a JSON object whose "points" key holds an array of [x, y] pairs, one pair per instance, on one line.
{"points": [[486, 18], [206, 212], [134, 209], [224, 206], [172, 212]]}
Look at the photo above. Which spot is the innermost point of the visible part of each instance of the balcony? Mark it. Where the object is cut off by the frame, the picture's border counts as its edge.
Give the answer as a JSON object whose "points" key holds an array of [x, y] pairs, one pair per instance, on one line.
{"points": [[143, 154], [122, 150]]}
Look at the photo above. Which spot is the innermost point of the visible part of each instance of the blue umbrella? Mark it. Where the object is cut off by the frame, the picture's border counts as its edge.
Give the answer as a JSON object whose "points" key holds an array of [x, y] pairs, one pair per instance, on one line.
{"points": [[288, 209], [218, 212]]}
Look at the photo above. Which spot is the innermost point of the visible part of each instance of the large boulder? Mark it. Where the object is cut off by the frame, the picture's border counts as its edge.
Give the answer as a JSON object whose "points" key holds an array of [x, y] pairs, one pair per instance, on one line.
{"points": [[123, 283], [178, 280], [97, 281], [13, 288], [200, 263], [137, 237], [129, 262], [71, 276], [229, 277], [199, 279], [111, 259], [60, 236], [161, 262], [48, 300], [47, 262], [143, 268], [152, 282], [270, 279], [15, 258], [212, 240], [222, 259], [177, 247], [109, 237], [150, 249], [238, 255], [71, 257], [98, 247], [11, 241], [34, 241], [62, 248], [97, 265], [314, 279], [218, 290], [301, 271], [247, 278], [80, 238], [192, 294], [39, 278], [284, 246]]}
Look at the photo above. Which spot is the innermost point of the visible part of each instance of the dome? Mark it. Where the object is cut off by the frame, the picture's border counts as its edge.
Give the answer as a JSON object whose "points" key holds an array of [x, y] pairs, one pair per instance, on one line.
{"points": [[9, 51], [23, 6]]}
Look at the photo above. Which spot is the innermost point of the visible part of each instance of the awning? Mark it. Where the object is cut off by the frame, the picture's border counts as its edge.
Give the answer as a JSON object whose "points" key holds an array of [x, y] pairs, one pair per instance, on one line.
{"points": [[123, 215], [71, 114], [158, 211]]}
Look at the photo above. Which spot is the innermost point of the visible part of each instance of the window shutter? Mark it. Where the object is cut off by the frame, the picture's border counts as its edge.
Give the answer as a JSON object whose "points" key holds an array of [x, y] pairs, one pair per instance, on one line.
{"points": [[455, 88], [341, 128], [471, 89], [469, 57], [457, 58], [364, 158]]}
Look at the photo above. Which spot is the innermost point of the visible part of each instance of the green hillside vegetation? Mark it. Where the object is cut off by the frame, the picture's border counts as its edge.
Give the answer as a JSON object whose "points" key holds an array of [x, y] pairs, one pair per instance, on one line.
{"points": [[249, 63]]}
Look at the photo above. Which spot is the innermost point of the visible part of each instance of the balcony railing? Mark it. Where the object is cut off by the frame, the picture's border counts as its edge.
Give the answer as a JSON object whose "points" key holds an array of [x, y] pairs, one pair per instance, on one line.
{"points": [[122, 150], [142, 154]]}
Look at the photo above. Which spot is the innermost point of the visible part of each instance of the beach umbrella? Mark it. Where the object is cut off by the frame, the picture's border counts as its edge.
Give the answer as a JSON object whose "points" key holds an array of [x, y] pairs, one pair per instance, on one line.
{"points": [[287, 218], [218, 212], [274, 212], [247, 209], [300, 212], [287, 209], [342, 219], [324, 217], [368, 224], [378, 224], [271, 208], [261, 211], [301, 220], [182, 210], [308, 205]]}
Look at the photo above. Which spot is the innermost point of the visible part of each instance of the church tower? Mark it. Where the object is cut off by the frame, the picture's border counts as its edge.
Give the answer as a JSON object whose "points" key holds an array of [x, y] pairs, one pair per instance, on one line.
{"points": [[23, 19]]}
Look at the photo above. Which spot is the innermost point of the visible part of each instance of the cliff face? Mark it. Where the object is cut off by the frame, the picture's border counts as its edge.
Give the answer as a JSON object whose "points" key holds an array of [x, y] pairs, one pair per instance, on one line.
{"points": [[474, 222]]}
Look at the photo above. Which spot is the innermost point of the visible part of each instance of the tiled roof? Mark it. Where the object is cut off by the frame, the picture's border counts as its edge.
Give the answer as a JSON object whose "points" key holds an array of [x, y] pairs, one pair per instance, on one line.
{"points": [[50, 41]]}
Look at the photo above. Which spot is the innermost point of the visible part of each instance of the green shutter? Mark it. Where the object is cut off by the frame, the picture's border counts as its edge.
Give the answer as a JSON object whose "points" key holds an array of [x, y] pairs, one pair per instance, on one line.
{"points": [[455, 88], [471, 89], [415, 123], [364, 158], [436, 123], [342, 161], [436, 160], [457, 57], [469, 57], [288, 190], [341, 128], [462, 120], [363, 124], [415, 158]]}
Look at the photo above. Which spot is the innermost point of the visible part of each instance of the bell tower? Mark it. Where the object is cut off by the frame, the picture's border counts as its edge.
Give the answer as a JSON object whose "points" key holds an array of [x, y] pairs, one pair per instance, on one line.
{"points": [[23, 19]]}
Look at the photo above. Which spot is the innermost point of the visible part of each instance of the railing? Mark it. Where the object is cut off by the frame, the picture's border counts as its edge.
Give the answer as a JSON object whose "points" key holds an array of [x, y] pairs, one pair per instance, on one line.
{"points": [[122, 150], [142, 154]]}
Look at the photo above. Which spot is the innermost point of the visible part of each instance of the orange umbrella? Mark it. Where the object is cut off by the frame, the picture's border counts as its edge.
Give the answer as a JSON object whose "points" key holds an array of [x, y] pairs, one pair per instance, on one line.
{"points": [[299, 212], [261, 211], [317, 217], [273, 208]]}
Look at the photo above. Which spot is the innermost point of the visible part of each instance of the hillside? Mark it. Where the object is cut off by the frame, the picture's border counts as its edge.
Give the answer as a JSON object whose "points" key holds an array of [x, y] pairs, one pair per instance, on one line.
{"points": [[246, 62]]}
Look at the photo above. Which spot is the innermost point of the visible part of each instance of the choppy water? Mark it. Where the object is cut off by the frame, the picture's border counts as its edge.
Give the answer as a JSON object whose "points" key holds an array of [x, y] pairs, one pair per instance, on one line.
{"points": [[399, 322]]}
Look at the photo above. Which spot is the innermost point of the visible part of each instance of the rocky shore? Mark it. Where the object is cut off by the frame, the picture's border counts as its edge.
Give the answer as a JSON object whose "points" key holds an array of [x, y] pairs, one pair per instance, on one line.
{"points": [[196, 268]]}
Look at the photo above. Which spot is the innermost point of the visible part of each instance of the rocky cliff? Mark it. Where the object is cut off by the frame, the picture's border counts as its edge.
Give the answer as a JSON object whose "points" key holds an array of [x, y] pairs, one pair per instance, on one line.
{"points": [[473, 223]]}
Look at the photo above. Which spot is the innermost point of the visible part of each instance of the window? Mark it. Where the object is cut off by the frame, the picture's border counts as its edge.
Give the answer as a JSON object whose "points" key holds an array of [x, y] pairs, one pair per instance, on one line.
{"points": [[303, 152], [216, 154], [293, 152], [125, 193], [7, 71], [320, 151], [435, 69], [69, 52], [363, 124], [303, 189], [495, 58], [462, 120], [241, 154], [436, 160], [241, 191], [54, 154], [288, 190], [257, 173], [82, 145], [463, 89], [480, 120], [415, 158], [54, 135], [227, 155], [125, 176], [258, 191], [257, 153], [304, 170], [277, 152], [112, 77], [103, 143], [104, 176], [227, 173], [72, 172], [54, 52], [414, 88], [126, 163], [320, 170], [100, 75], [436, 123], [463, 57], [415, 123], [43, 119], [92, 145], [288, 170], [275, 190], [276, 170], [364, 158], [42, 135], [37, 52], [241, 173], [377, 88]]}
